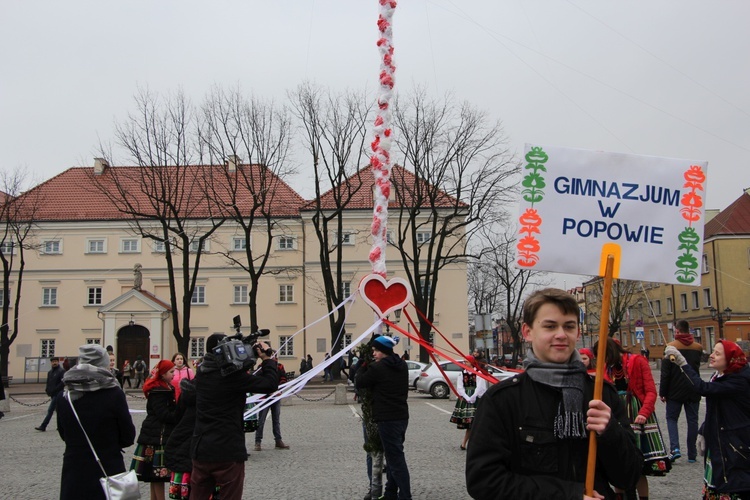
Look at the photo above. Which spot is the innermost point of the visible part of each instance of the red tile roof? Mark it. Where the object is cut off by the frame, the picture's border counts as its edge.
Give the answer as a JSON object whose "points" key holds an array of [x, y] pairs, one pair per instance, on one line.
{"points": [[733, 220], [363, 182], [74, 195]]}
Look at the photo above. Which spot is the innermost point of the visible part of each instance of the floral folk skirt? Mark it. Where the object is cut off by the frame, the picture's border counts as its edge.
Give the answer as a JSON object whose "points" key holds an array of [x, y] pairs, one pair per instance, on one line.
{"points": [[463, 413], [709, 488], [148, 464], [647, 438]]}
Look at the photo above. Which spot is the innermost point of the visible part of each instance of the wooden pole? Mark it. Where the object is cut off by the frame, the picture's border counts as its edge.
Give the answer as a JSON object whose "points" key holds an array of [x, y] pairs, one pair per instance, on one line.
{"points": [[601, 361]]}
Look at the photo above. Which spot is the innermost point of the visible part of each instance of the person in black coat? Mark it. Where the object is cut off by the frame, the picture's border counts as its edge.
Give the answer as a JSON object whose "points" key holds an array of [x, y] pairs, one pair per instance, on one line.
{"points": [[529, 438], [388, 379], [103, 411], [162, 415], [218, 443], [724, 437], [177, 450], [53, 389]]}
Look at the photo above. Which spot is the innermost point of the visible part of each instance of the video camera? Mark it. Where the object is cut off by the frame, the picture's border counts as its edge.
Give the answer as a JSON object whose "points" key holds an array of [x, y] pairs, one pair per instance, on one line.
{"points": [[232, 353]]}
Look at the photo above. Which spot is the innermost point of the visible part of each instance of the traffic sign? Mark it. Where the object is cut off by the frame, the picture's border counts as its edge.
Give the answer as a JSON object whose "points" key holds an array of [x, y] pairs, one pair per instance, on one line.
{"points": [[639, 333]]}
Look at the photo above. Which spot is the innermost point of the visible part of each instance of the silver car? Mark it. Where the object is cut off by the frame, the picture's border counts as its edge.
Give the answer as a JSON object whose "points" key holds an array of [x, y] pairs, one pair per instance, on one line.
{"points": [[415, 368], [431, 381]]}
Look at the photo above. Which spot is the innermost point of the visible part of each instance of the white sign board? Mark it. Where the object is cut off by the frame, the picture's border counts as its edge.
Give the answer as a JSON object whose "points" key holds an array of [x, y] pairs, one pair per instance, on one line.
{"points": [[639, 333], [577, 206]]}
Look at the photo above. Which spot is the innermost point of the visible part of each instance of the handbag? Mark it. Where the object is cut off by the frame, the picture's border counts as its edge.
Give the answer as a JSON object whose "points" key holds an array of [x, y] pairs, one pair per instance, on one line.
{"points": [[122, 486]]}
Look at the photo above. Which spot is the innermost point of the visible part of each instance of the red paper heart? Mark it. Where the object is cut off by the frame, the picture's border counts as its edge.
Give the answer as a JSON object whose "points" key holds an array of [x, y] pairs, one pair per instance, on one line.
{"points": [[384, 296]]}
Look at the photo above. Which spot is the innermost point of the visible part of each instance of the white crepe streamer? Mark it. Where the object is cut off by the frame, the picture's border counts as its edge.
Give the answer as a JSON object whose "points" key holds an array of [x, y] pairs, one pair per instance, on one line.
{"points": [[380, 161]]}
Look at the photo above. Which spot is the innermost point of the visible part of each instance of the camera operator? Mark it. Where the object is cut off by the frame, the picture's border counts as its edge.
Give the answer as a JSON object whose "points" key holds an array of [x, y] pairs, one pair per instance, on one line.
{"points": [[218, 445]]}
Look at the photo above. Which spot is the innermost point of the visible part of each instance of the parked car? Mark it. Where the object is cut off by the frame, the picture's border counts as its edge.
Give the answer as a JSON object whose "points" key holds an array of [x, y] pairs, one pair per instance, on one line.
{"points": [[431, 381], [415, 368]]}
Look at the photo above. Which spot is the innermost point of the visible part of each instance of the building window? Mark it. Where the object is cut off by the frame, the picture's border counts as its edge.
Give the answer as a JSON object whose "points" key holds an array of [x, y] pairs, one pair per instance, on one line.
{"points": [[240, 294], [48, 348], [346, 239], [130, 245], [697, 334], [239, 244], [347, 340], [670, 309], [8, 247], [694, 296], [624, 339], [346, 288], [95, 296], [2, 296], [286, 345], [286, 243], [199, 295], [389, 238], [683, 302], [52, 247], [197, 245], [423, 237], [657, 307], [49, 296], [661, 337], [707, 297], [94, 341], [704, 264], [197, 347], [158, 246], [96, 246], [652, 336], [286, 293]]}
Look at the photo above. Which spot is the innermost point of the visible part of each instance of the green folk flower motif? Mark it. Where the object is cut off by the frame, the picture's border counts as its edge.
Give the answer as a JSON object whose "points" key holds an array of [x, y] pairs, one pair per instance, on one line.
{"points": [[687, 263], [533, 182]]}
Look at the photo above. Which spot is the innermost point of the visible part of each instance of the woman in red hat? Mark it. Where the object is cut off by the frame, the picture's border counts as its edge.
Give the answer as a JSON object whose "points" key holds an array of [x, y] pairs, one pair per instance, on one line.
{"points": [[724, 437]]}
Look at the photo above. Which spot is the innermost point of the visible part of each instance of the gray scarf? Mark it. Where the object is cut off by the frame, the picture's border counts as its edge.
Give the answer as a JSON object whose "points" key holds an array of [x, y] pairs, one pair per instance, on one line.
{"points": [[570, 421], [83, 378]]}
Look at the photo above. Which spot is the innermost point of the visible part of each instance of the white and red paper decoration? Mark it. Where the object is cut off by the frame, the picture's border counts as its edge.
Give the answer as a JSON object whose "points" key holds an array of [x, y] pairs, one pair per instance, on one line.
{"points": [[380, 161]]}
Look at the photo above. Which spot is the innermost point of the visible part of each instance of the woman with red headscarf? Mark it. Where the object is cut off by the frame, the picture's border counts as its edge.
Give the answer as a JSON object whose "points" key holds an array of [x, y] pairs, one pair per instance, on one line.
{"points": [[161, 417], [724, 437]]}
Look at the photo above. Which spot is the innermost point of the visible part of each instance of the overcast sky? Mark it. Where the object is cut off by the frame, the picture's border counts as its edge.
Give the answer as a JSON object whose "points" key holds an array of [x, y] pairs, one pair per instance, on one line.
{"points": [[664, 78]]}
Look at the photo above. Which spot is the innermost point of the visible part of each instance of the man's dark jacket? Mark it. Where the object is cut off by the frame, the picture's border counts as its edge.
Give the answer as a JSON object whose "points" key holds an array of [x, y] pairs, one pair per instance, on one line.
{"points": [[54, 381], [513, 452], [177, 450], [389, 381], [674, 384], [220, 404]]}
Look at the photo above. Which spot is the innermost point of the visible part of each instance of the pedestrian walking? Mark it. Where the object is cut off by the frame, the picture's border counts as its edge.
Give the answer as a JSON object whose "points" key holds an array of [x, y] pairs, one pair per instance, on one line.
{"points": [[275, 409], [327, 375], [529, 438], [103, 412], [53, 389], [139, 368], [678, 391], [162, 415], [127, 372], [388, 379], [724, 437]]}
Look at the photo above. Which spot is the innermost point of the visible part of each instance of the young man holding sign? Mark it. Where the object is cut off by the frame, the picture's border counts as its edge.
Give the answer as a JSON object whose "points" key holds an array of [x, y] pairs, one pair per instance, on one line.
{"points": [[530, 434]]}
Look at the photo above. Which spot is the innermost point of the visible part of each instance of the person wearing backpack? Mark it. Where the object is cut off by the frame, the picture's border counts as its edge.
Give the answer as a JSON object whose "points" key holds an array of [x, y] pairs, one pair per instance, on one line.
{"points": [[139, 367]]}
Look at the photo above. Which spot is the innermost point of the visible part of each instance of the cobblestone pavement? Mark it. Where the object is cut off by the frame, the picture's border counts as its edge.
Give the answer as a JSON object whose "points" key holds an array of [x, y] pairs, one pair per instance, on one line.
{"points": [[325, 461]]}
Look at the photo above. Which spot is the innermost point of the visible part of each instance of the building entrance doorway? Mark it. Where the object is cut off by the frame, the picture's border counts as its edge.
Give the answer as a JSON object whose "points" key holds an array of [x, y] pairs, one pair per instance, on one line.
{"points": [[132, 341]]}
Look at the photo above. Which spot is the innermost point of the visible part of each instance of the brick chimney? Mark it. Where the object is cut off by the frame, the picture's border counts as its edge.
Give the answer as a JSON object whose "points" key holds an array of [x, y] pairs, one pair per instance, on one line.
{"points": [[99, 165], [232, 162]]}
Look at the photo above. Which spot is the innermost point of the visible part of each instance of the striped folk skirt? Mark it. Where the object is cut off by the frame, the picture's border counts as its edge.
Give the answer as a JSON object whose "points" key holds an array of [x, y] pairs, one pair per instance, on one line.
{"points": [[463, 413], [648, 438]]}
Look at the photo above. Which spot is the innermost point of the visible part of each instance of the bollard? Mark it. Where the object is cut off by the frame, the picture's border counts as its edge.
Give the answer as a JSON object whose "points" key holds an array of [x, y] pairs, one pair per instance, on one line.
{"points": [[340, 394]]}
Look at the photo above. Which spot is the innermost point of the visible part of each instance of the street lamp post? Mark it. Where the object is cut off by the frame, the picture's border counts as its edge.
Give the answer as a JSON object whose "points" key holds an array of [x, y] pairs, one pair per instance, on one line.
{"points": [[720, 317]]}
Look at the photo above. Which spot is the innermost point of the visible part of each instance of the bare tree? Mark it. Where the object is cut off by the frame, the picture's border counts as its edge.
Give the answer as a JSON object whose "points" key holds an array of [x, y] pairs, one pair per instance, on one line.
{"points": [[458, 177], [18, 211], [254, 196], [165, 196], [513, 283], [334, 127], [623, 296]]}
